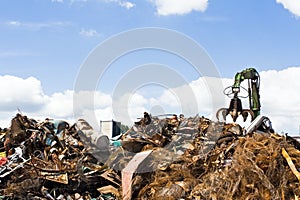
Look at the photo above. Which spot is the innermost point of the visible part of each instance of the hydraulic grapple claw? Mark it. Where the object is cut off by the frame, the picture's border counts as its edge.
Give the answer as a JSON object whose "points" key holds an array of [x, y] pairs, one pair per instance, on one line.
{"points": [[235, 109], [223, 112]]}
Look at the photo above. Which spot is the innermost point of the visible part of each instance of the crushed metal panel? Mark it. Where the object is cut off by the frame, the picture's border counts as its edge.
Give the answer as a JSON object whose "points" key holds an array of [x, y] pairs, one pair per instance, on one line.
{"points": [[107, 175], [129, 170], [109, 189], [56, 177]]}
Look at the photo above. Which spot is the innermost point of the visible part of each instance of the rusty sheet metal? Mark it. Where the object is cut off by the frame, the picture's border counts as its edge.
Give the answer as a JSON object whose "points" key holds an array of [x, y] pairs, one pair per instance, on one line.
{"points": [[109, 189], [129, 170], [56, 177]]}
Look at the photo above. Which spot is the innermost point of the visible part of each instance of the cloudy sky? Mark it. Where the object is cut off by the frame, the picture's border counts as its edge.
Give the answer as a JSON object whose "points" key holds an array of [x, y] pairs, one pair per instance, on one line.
{"points": [[44, 45]]}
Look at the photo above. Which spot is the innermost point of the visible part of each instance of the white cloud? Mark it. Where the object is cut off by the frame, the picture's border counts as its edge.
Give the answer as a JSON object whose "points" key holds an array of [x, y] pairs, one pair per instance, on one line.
{"points": [[13, 23], [18, 92], [137, 99], [37, 25], [73, 1], [126, 4], [168, 98], [88, 32], [179, 7], [101, 100], [59, 105], [28, 95], [59, 1], [280, 99], [15, 53], [291, 5]]}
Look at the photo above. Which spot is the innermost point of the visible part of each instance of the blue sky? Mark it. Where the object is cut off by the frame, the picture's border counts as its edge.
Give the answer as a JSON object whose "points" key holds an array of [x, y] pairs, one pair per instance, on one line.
{"points": [[50, 39]]}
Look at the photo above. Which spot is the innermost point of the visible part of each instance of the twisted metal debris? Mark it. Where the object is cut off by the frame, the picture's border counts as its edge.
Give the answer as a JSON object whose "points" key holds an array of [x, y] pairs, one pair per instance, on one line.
{"points": [[189, 158]]}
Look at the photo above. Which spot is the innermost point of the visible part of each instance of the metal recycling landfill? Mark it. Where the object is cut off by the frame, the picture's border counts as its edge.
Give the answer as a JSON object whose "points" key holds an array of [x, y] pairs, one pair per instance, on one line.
{"points": [[169, 157]]}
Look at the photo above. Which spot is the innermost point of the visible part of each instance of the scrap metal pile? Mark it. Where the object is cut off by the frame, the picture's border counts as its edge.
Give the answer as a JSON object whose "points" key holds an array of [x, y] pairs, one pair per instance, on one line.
{"points": [[157, 158], [53, 160]]}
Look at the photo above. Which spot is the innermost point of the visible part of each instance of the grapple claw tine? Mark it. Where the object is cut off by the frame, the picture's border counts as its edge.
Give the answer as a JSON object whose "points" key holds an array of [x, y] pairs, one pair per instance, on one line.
{"points": [[224, 112], [245, 114], [234, 115]]}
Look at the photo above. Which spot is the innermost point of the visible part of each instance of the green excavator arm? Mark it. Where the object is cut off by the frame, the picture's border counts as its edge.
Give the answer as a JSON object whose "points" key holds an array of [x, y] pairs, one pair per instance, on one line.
{"points": [[235, 108], [253, 88]]}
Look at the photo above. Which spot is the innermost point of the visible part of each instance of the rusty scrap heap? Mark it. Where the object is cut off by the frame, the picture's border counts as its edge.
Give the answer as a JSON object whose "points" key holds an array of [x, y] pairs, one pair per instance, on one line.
{"points": [[157, 158]]}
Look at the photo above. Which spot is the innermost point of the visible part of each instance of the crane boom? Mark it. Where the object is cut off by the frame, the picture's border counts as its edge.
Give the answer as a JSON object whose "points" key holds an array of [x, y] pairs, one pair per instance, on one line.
{"points": [[253, 88]]}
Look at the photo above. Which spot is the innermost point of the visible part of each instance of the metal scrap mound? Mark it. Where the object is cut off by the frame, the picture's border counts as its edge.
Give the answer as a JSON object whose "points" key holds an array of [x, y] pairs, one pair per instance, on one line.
{"points": [[249, 168], [256, 166], [191, 158], [53, 160]]}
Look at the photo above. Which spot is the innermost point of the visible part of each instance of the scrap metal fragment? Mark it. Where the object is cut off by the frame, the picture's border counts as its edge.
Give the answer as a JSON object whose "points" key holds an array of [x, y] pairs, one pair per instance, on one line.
{"points": [[111, 176], [109, 189], [46, 193], [290, 163], [11, 165], [128, 172], [56, 177]]}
